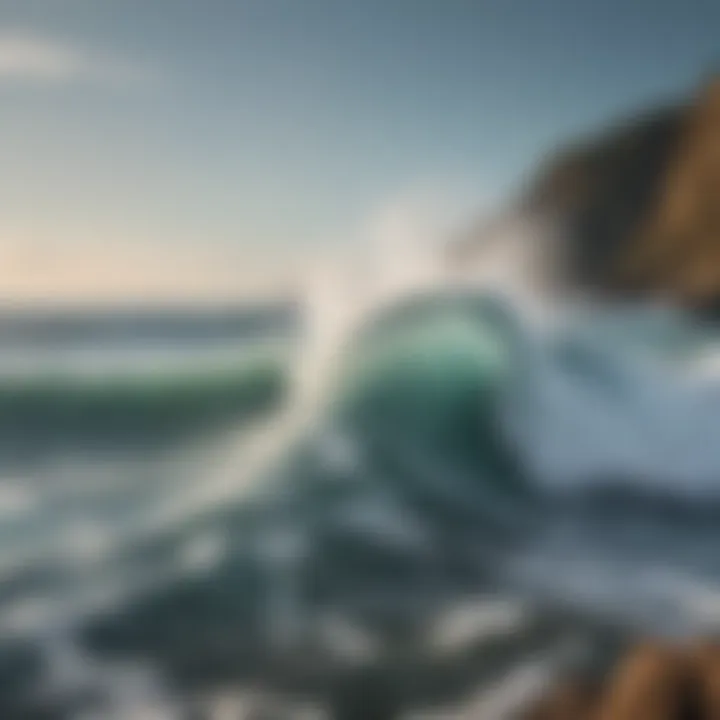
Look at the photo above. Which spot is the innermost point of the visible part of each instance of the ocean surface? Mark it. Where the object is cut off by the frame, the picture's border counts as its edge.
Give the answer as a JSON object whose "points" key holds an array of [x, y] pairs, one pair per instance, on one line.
{"points": [[199, 516], [113, 425]]}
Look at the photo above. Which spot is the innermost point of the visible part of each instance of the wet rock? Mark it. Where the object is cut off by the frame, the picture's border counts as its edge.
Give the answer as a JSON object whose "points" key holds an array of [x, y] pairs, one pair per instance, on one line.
{"points": [[654, 681]]}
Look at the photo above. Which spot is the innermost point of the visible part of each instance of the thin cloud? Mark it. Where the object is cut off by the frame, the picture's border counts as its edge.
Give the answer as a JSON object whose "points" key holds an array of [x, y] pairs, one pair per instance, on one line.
{"points": [[29, 58]]}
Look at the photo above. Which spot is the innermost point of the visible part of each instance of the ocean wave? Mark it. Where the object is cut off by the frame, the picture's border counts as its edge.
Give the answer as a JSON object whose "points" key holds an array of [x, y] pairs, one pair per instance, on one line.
{"points": [[59, 408], [602, 398], [421, 484]]}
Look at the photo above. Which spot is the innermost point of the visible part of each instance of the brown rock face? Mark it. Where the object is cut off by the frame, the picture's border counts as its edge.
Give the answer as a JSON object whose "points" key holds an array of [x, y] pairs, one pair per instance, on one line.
{"points": [[678, 248], [640, 205], [654, 682]]}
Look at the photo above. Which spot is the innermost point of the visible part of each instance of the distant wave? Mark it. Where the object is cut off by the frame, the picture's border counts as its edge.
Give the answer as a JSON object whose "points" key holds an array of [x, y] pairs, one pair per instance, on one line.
{"points": [[136, 406]]}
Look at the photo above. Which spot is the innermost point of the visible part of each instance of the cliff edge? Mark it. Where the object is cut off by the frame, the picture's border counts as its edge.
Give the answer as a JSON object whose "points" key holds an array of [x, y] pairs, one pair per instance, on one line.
{"points": [[637, 206]]}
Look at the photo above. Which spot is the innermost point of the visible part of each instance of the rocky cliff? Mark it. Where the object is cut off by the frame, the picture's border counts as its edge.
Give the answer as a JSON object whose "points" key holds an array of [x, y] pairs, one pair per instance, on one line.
{"points": [[638, 206], [600, 192]]}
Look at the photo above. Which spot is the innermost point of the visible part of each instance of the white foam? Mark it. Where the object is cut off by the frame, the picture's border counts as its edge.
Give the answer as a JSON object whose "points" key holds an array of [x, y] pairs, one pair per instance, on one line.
{"points": [[478, 620], [17, 497], [516, 690], [202, 553], [625, 414]]}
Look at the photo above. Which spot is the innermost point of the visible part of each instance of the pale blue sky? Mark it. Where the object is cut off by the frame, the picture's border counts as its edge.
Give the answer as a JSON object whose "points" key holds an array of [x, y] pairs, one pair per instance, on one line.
{"points": [[256, 124]]}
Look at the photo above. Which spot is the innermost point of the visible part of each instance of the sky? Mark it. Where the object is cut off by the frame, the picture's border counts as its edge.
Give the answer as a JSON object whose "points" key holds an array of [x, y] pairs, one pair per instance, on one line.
{"points": [[191, 146]]}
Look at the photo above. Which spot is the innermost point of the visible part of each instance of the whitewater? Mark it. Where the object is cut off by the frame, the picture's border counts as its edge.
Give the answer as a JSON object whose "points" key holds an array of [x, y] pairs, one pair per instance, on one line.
{"points": [[506, 435], [478, 476], [493, 437]]}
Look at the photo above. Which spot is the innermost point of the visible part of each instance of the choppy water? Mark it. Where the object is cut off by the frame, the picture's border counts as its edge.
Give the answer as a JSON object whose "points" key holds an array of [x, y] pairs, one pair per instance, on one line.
{"points": [[110, 444], [475, 502]]}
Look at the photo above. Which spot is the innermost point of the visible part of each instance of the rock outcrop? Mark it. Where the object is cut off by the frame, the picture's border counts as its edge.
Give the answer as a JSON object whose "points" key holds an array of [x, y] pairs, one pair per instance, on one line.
{"points": [[601, 192], [677, 248], [653, 682], [637, 208]]}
